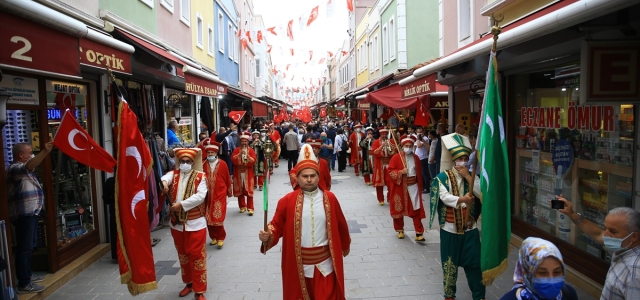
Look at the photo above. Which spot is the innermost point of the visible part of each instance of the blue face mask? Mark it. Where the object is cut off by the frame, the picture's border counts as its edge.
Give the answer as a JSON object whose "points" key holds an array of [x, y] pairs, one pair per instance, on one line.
{"points": [[548, 288], [614, 245]]}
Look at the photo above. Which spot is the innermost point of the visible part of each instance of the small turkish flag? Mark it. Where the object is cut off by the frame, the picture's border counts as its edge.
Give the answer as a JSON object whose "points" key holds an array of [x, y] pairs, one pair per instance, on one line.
{"points": [[422, 117], [364, 117], [313, 16], [244, 44], [310, 54], [240, 33], [291, 51], [290, 30], [248, 34], [321, 60], [268, 47], [237, 115], [344, 53], [259, 38], [66, 101], [323, 112], [330, 54], [272, 30], [75, 142], [350, 5]]}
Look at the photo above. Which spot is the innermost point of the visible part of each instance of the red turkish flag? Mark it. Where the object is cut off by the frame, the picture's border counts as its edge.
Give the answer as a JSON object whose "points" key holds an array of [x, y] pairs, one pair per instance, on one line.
{"points": [[350, 5], [290, 30], [135, 257], [237, 115], [291, 51], [75, 142], [344, 53], [259, 37], [313, 16], [240, 33], [422, 116], [272, 30], [269, 48], [310, 54], [248, 35], [244, 44], [330, 54], [321, 60], [66, 101], [364, 117], [323, 112]]}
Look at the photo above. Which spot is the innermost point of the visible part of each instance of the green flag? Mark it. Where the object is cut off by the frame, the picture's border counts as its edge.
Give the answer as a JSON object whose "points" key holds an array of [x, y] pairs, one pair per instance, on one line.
{"points": [[494, 180]]}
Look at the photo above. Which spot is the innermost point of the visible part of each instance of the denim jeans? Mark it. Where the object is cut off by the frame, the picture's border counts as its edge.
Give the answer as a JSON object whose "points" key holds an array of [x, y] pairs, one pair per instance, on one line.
{"points": [[333, 161], [26, 241]]}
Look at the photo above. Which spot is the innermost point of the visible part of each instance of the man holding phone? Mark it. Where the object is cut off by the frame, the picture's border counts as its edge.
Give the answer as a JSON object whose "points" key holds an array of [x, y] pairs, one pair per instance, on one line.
{"points": [[621, 238]]}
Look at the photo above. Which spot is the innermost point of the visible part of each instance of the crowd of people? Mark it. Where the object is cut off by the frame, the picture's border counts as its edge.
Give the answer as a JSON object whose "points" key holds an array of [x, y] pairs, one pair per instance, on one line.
{"points": [[409, 161]]}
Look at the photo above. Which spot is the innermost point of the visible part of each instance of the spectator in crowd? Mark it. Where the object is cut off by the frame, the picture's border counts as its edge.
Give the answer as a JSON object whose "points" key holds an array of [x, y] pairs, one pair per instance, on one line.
{"points": [[422, 151], [331, 135], [621, 238], [539, 273], [172, 137], [292, 145], [326, 148], [433, 165]]}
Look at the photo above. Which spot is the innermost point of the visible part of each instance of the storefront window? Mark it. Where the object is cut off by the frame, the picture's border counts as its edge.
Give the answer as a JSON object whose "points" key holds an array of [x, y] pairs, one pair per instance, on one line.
{"points": [[186, 128], [71, 180], [583, 151]]}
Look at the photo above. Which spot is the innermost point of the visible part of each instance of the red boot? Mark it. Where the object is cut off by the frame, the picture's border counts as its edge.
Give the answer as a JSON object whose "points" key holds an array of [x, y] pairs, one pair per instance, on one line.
{"points": [[185, 291]]}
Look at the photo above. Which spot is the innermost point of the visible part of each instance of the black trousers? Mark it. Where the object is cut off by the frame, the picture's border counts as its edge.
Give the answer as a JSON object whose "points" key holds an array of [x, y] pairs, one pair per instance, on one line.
{"points": [[342, 161], [292, 158], [426, 175]]}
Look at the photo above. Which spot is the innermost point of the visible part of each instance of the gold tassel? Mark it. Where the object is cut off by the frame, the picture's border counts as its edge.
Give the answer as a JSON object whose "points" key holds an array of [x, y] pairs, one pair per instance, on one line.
{"points": [[490, 275]]}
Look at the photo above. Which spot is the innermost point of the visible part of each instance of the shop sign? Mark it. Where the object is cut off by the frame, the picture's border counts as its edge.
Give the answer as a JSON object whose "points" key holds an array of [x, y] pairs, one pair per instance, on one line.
{"points": [[27, 44], [613, 71], [23, 90], [101, 56], [199, 86], [364, 105], [419, 87], [579, 117], [439, 103]]}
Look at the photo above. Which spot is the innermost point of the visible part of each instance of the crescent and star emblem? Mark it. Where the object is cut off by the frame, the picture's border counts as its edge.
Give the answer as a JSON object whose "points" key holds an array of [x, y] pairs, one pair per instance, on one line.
{"points": [[140, 195], [72, 134]]}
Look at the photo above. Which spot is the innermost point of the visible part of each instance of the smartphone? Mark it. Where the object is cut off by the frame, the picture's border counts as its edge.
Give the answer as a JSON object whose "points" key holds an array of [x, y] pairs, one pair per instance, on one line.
{"points": [[557, 204]]}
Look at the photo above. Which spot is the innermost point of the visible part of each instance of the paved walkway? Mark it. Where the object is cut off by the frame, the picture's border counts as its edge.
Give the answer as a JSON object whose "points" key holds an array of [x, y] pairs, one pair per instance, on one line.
{"points": [[380, 266]]}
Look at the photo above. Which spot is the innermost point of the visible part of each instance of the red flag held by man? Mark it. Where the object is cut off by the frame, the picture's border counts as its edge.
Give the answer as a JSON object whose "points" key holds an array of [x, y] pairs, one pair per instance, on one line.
{"points": [[237, 115], [290, 30], [75, 142], [313, 16], [135, 257], [350, 5], [422, 115]]}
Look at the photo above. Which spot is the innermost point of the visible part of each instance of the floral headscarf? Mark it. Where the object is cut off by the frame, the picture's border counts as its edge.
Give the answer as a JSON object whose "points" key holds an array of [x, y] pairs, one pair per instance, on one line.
{"points": [[532, 252]]}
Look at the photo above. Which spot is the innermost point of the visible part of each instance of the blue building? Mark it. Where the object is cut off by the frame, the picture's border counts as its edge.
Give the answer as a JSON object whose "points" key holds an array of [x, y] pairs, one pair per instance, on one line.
{"points": [[227, 43]]}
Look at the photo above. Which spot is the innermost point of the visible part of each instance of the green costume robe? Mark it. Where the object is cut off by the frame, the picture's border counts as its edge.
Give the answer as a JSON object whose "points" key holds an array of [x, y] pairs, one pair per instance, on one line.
{"points": [[461, 249]]}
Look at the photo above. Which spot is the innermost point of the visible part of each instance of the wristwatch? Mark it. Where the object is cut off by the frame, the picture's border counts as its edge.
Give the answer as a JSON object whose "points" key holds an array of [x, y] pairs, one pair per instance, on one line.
{"points": [[578, 220]]}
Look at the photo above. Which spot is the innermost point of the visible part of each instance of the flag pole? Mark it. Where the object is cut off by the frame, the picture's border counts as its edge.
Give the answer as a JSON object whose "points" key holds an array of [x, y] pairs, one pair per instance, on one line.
{"points": [[495, 30]]}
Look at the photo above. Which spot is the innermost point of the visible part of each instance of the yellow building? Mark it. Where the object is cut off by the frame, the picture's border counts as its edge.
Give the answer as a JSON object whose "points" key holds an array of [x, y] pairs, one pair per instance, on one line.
{"points": [[203, 32], [362, 50]]}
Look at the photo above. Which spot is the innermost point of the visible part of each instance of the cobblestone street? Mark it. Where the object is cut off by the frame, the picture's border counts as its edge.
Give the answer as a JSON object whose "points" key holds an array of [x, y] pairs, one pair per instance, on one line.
{"points": [[380, 266]]}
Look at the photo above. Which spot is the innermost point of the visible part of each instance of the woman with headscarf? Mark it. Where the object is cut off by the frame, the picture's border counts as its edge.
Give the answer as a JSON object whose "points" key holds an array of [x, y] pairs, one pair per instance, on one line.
{"points": [[539, 273]]}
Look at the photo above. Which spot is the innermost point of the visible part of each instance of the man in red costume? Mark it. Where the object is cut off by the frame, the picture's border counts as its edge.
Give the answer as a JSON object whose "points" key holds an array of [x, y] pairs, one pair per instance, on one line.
{"points": [[383, 149], [354, 145], [325, 177], [218, 187], [243, 159], [187, 187], [405, 189], [315, 236], [276, 138]]}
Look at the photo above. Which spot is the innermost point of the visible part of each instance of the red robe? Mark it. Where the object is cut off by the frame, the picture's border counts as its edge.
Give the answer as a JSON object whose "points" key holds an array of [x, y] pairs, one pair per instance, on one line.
{"points": [[287, 224], [238, 165], [325, 177], [275, 138], [354, 145], [380, 177], [399, 196], [219, 187]]}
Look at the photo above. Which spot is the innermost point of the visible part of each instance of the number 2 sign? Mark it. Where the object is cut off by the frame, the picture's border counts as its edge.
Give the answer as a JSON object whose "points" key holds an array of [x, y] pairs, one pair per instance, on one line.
{"points": [[27, 44]]}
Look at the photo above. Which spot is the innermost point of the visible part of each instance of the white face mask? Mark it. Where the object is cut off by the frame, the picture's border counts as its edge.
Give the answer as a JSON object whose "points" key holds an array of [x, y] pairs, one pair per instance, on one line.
{"points": [[32, 156], [184, 168], [461, 163], [408, 150], [212, 158]]}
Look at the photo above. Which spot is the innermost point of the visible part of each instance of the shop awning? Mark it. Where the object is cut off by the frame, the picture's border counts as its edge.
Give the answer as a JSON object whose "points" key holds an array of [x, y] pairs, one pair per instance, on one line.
{"points": [[154, 50], [390, 97], [556, 17], [258, 108], [240, 94], [198, 82], [340, 103]]}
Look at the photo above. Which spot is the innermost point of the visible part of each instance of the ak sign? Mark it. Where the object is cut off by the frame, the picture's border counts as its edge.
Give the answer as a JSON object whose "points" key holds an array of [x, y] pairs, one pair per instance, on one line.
{"points": [[613, 71], [419, 87], [27, 44], [100, 56]]}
